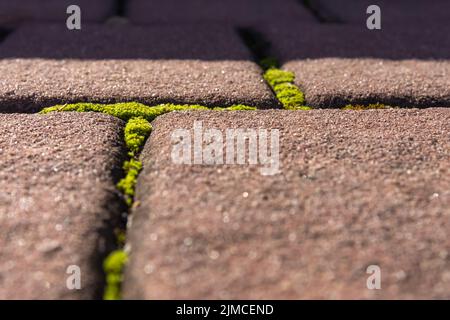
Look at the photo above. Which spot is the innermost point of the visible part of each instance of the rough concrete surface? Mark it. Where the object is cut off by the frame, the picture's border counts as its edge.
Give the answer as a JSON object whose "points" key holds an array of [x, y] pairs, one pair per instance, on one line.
{"points": [[340, 64], [356, 188], [105, 41], [14, 13], [420, 12], [292, 40], [332, 83], [235, 12], [151, 65], [58, 202]]}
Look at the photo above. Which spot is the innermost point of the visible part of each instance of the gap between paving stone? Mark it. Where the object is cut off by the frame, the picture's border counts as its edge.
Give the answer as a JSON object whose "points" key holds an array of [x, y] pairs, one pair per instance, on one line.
{"points": [[324, 86], [319, 12], [136, 132], [4, 33], [282, 82]]}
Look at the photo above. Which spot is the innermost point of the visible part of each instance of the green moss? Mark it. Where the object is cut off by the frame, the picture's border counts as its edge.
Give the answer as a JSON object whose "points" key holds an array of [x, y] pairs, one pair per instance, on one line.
{"points": [[113, 267], [120, 237], [124, 111], [277, 76], [238, 107], [282, 83], [127, 185], [365, 107], [128, 110], [136, 132]]}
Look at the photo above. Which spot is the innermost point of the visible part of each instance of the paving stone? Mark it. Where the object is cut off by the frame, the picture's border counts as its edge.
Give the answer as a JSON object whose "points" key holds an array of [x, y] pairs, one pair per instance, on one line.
{"points": [[355, 189], [395, 12], [296, 40], [58, 202], [237, 12], [331, 83], [172, 64], [100, 41], [336, 65], [14, 13]]}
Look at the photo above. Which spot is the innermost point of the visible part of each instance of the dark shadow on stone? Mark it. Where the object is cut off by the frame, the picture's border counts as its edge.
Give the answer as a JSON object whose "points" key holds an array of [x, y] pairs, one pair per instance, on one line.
{"points": [[294, 40], [392, 11], [121, 7], [4, 33], [193, 41], [321, 13]]}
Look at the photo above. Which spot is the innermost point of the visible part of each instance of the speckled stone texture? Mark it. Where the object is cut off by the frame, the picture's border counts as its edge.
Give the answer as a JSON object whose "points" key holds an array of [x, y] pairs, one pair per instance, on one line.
{"points": [[161, 64], [58, 202], [356, 188], [292, 40], [14, 13], [394, 12], [337, 65], [111, 41], [331, 82], [235, 12]]}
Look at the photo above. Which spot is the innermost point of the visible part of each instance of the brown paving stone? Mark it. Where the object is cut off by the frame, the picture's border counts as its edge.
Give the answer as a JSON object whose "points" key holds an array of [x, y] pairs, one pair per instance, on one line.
{"points": [[13, 13], [331, 82], [336, 65], [355, 189], [162, 64], [236, 12], [58, 202], [395, 12], [292, 40], [99, 41]]}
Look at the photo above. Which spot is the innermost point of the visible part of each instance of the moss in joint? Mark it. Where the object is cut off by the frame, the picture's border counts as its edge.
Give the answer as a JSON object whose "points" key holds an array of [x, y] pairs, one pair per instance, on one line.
{"points": [[365, 107], [136, 131], [128, 110], [237, 107], [113, 266], [127, 185], [282, 83]]}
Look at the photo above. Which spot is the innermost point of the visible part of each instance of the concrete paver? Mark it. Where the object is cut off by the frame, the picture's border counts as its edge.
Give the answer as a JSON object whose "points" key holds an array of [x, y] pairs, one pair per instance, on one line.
{"points": [[58, 202], [332, 83], [336, 65], [14, 13], [235, 12], [392, 12], [356, 188], [161, 64]]}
